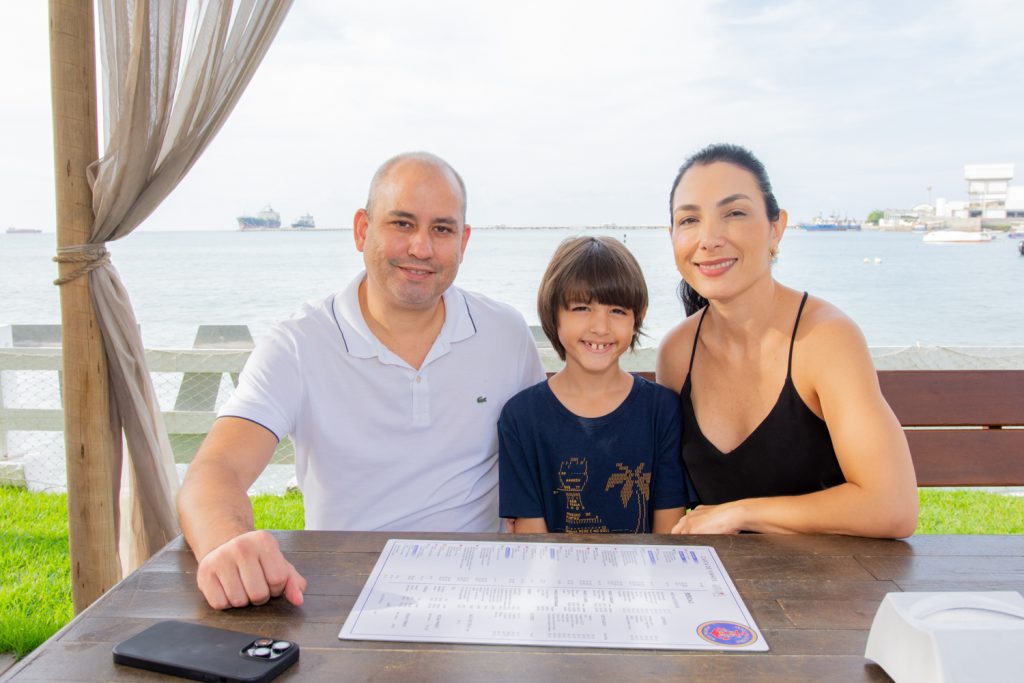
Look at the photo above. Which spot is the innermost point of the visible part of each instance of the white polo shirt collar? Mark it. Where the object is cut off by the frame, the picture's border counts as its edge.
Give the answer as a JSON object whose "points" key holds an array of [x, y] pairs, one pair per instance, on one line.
{"points": [[360, 342]]}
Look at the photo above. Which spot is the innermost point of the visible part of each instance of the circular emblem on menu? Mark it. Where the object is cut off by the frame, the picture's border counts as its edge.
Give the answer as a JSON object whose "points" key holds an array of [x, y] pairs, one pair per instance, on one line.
{"points": [[726, 633]]}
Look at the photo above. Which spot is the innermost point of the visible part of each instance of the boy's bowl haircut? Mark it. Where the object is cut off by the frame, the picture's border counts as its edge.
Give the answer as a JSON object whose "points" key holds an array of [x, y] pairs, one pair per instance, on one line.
{"points": [[585, 269]]}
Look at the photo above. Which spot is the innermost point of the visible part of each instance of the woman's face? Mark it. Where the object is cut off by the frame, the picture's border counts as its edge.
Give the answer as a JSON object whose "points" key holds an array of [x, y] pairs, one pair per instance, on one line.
{"points": [[721, 235]]}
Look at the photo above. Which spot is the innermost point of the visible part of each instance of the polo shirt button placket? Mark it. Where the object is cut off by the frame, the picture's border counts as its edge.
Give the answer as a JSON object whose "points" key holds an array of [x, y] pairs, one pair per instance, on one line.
{"points": [[420, 400]]}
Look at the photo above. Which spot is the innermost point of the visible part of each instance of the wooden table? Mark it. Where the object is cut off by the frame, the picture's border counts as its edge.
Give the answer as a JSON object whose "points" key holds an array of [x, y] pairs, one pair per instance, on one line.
{"points": [[813, 596]]}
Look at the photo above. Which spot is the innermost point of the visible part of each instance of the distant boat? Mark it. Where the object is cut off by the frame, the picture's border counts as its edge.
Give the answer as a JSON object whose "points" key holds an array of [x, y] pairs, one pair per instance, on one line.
{"points": [[305, 222], [23, 231], [958, 236], [267, 219], [832, 224]]}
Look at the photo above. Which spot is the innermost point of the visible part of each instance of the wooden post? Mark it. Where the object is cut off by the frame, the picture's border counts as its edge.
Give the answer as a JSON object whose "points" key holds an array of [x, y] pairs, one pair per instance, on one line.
{"points": [[87, 437]]}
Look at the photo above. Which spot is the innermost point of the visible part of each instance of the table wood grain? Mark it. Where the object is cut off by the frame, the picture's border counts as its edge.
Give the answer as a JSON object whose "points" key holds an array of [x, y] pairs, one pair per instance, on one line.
{"points": [[813, 597]]}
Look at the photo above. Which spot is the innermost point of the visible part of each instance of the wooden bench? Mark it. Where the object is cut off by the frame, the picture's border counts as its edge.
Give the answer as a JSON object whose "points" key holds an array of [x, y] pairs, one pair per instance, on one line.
{"points": [[965, 427]]}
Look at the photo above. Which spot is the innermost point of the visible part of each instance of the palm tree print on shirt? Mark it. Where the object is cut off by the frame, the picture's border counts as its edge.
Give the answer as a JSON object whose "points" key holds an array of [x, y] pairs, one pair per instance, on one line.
{"points": [[635, 483]]}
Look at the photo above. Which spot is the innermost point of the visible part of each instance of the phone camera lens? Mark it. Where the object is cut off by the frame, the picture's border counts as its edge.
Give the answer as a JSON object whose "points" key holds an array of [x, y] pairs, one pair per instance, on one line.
{"points": [[281, 646], [260, 652], [263, 642]]}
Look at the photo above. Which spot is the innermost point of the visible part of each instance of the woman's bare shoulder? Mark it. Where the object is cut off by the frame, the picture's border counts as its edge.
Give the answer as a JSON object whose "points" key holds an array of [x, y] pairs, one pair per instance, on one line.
{"points": [[674, 352], [822, 322], [826, 333]]}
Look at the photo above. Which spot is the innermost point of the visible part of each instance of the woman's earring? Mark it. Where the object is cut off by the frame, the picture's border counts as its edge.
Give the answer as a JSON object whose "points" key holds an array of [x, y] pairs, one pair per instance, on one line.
{"points": [[773, 253]]}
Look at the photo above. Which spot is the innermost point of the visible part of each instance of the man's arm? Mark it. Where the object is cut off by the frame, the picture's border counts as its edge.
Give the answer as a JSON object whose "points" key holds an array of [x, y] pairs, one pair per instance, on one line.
{"points": [[237, 565]]}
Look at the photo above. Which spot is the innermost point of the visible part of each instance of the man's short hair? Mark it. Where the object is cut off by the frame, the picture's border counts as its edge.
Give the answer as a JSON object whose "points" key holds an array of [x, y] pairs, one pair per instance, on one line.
{"points": [[385, 169], [585, 269]]}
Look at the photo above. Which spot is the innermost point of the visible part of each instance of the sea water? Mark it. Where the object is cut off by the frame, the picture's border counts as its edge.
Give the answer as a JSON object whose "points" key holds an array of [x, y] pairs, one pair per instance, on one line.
{"points": [[900, 290]]}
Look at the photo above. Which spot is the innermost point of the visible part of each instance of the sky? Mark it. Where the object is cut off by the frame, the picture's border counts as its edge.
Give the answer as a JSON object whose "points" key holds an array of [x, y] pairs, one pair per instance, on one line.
{"points": [[577, 113]]}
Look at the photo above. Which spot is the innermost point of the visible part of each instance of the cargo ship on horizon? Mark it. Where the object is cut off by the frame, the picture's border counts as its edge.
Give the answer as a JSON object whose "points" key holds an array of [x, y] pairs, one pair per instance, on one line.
{"points": [[268, 219]]}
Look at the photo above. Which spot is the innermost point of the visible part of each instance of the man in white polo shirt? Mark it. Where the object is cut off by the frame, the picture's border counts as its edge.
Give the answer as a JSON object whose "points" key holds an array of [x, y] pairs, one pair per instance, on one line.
{"points": [[390, 389]]}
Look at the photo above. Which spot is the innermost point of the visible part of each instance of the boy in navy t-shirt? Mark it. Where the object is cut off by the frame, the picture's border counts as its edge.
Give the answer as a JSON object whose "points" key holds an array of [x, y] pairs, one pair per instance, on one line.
{"points": [[593, 449]]}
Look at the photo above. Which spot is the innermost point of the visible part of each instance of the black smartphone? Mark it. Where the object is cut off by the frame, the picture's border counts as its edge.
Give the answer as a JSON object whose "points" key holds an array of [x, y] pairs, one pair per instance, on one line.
{"points": [[204, 653]]}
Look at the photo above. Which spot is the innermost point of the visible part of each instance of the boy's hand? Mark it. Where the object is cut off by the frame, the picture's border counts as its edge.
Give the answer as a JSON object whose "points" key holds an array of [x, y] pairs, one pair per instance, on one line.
{"points": [[530, 525]]}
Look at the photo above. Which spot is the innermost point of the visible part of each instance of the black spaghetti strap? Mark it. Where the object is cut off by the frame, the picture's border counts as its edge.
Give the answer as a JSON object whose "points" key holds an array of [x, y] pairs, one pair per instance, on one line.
{"points": [[789, 453], [792, 340], [696, 336]]}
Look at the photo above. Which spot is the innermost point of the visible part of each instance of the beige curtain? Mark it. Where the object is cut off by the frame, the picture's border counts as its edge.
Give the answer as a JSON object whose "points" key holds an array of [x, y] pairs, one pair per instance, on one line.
{"points": [[156, 126]]}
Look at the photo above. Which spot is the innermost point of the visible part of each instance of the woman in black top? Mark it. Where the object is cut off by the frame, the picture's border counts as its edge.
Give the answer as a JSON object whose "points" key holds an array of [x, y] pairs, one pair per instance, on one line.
{"points": [[785, 428]]}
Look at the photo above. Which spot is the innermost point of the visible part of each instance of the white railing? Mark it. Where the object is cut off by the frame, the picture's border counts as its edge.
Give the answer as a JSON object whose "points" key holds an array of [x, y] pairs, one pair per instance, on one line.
{"points": [[193, 383]]}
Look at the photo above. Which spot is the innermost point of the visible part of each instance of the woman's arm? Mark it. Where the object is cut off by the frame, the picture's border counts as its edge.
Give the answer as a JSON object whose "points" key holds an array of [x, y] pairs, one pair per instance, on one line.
{"points": [[879, 498]]}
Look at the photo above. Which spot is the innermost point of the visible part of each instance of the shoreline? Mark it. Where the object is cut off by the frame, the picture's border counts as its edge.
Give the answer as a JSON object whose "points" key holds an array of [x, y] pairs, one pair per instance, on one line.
{"points": [[1002, 228]]}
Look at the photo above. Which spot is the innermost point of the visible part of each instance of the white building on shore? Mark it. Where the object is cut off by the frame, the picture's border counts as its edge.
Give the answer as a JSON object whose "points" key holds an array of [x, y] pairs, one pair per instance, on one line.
{"points": [[991, 200], [1015, 203], [988, 188]]}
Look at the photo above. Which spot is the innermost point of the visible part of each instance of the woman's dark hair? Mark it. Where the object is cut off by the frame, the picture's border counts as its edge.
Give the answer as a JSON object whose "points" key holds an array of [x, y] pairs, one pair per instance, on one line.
{"points": [[737, 156], [585, 269]]}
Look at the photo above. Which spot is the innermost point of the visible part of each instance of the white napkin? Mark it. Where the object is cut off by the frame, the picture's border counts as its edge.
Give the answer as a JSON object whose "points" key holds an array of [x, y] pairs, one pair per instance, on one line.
{"points": [[947, 637]]}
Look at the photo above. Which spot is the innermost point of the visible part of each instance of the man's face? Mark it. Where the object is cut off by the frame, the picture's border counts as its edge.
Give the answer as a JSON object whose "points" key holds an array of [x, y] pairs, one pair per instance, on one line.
{"points": [[413, 242]]}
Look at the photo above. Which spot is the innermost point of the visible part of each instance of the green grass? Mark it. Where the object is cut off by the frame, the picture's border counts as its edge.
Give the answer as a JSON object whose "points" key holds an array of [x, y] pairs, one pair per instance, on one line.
{"points": [[35, 574], [279, 512], [35, 593], [969, 512], [35, 577]]}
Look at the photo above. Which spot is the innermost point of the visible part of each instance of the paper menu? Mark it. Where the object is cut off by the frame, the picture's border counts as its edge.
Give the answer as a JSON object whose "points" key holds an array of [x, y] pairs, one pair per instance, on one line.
{"points": [[552, 594]]}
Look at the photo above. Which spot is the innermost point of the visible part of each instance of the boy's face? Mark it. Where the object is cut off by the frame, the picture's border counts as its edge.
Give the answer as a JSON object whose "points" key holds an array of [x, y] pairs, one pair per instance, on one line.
{"points": [[595, 335]]}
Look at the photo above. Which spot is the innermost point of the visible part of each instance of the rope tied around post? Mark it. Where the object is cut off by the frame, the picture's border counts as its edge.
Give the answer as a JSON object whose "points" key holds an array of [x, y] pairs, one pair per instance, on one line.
{"points": [[92, 255]]}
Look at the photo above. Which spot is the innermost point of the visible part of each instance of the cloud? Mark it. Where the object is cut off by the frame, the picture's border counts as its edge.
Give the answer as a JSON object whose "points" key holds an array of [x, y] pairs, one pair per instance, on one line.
{"points": [[579, 112]]}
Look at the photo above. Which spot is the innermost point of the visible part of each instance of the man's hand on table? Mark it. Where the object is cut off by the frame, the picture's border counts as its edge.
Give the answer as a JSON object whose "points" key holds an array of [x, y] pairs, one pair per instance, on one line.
{"points": [[248, 569]]}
